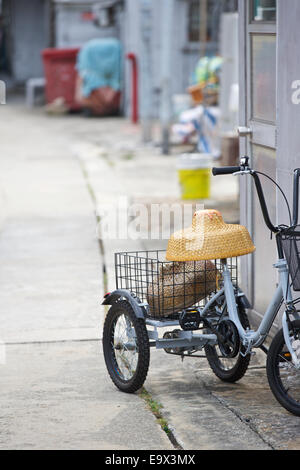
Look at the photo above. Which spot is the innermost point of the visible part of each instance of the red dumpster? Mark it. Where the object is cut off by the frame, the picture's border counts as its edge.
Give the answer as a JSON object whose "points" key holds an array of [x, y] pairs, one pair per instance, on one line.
{"points": [[61, 75]]}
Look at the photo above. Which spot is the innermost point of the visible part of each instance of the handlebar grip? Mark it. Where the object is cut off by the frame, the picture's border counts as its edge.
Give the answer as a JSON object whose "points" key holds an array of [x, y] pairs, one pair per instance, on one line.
{"points": [[226, 170]]}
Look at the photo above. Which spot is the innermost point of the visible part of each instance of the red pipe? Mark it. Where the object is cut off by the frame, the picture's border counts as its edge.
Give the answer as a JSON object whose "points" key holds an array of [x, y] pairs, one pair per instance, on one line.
{"points": [[134, 97]]}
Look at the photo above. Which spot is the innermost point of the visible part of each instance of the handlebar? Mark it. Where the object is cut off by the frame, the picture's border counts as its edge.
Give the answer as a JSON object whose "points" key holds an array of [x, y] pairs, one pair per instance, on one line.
{"points": [[229, 170], [226, 170], [245, 169]]}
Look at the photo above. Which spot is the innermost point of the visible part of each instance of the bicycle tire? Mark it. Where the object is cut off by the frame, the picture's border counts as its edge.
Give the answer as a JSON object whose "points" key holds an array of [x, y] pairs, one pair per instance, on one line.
{"points": [[280, 370], [139, 374], [241, 363]]}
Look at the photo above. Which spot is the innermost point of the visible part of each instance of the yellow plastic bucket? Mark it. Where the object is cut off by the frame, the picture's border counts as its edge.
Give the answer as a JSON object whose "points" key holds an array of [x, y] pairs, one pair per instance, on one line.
{"points": [[194, 174]]}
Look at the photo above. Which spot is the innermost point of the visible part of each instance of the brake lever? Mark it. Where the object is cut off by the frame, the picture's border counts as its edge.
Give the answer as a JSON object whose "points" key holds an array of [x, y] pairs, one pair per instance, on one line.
{"points": [[243, 172]]}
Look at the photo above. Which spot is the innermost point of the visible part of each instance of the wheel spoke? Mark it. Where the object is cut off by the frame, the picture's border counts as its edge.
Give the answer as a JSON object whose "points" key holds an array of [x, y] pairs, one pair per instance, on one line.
{"points": [[124, 345], [288, 375]]}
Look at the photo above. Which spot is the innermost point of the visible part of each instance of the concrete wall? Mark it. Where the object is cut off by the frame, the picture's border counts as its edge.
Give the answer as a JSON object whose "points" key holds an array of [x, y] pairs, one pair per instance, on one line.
{"points": [[30, 34], [288, 102], [229, 51], [72, 30], [141, 15]]}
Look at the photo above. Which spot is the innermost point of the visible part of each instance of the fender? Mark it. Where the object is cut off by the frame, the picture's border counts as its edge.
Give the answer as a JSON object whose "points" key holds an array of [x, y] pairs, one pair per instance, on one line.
{"points": [[140, 309], [242, 300], [113, 297]]}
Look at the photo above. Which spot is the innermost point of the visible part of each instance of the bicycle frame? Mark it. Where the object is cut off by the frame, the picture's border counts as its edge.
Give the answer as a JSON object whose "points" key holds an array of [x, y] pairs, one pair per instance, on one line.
{"points": [[250, 339], [283, 292], [253, 339]]}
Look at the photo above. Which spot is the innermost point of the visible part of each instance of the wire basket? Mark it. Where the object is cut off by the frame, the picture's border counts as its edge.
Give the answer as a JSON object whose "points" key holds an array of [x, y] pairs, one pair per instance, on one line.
{"points": [[169, 287], [291, 247]]}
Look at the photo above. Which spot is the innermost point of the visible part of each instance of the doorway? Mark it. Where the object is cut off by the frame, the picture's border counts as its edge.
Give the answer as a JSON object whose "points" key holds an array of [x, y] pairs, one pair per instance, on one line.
{"points": [[258, 116]]}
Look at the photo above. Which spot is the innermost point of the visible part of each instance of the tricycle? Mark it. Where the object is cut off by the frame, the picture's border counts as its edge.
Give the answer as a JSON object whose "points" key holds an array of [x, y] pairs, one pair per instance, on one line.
{"points": [[192, 306]]}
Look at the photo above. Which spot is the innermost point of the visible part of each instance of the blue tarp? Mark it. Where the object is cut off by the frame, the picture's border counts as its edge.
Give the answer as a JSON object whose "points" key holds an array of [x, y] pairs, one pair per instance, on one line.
{"points": [[99, 65]]}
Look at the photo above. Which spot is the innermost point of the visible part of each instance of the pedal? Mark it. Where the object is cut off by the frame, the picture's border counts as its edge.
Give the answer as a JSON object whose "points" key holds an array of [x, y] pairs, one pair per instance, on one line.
{"points": [[189, 320], [173, 335]]}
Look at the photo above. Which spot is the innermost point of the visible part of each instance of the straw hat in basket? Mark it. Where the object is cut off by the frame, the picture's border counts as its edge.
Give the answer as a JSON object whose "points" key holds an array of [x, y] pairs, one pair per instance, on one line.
{"points": [[209, 238], [181, 285]]}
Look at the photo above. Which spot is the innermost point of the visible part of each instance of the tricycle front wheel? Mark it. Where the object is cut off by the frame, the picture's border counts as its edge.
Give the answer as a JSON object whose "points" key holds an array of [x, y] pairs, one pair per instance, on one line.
{"points": [[228, 369], [283, 375], [126, 347]]}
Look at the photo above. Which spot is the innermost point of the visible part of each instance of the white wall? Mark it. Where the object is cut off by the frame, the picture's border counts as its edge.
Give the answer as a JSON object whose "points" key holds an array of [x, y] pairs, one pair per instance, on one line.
{"points": [[229, 50], [71, 30]]}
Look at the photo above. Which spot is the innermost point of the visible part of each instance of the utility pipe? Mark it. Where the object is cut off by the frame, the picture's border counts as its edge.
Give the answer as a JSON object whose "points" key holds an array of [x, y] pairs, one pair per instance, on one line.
{"points": [[134, 87]]}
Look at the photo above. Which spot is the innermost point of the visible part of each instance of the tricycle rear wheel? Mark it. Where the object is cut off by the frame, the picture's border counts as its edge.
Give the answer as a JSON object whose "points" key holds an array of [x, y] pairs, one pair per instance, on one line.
{"points": [[126, 347]]}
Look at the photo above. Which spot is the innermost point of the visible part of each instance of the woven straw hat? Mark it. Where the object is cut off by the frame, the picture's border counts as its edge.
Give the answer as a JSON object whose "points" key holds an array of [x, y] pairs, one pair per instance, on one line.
{"points": [[209, 237]]}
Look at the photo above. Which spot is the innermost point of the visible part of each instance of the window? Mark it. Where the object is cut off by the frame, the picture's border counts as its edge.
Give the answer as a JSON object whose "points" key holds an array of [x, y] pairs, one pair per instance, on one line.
{"points": [[104, 16], [194, 21], [264, 10], [263, 79], [204, 18]]}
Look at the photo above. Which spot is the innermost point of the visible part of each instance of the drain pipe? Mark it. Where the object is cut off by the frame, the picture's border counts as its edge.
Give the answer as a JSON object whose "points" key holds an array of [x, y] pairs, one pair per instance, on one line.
{"points": [[134, 81], [166, 17]]}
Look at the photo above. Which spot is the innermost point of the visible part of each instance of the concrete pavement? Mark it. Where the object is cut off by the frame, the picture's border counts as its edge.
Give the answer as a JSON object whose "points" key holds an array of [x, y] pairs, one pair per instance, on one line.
{"points": [[50, 275], [56, 175], [58, 396], [55, 393]]}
